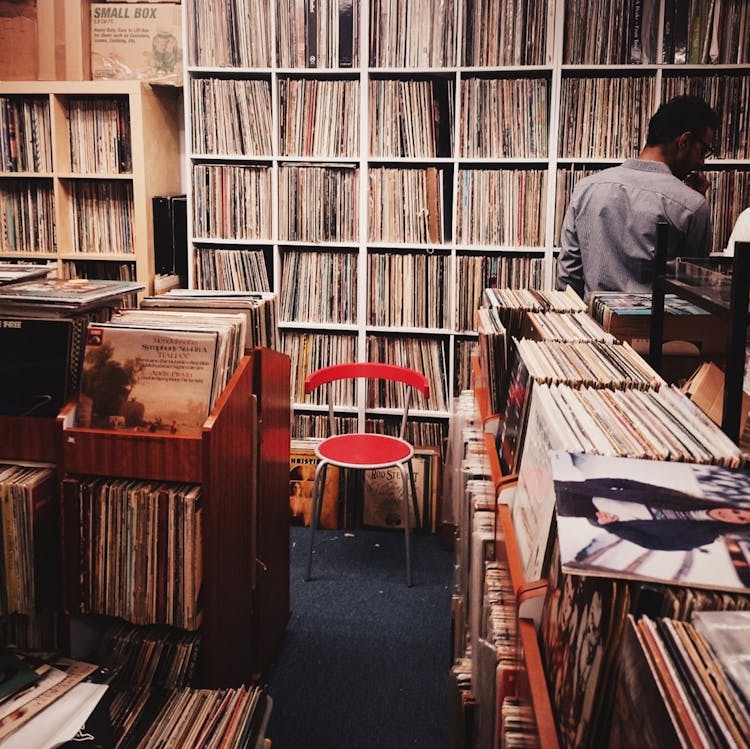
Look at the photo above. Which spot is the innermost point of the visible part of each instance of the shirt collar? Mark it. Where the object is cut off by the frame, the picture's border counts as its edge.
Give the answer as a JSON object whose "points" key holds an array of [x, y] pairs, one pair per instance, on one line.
{"points": [[641, 165]]}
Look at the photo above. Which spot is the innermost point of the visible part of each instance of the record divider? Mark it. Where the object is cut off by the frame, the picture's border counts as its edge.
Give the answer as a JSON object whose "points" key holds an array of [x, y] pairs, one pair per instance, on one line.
{"points": [[531, 680]]}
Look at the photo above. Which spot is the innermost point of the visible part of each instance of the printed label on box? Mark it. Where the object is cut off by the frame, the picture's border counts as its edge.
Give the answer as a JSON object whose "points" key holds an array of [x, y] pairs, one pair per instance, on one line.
{"points": [[136, 41]]}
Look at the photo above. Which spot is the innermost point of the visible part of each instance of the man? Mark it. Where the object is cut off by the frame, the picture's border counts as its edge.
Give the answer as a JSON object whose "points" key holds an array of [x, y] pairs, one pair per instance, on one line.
{"points": [[609, 231]]}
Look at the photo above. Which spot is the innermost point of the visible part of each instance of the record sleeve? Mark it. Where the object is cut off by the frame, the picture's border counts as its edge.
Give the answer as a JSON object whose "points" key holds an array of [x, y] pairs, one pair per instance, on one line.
{"points": [[147, 380], [35, 367]]}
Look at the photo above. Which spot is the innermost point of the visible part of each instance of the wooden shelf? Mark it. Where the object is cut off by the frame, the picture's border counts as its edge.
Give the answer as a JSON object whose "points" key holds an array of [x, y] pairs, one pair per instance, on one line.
{"points": [[153, 144], [26, 438]]}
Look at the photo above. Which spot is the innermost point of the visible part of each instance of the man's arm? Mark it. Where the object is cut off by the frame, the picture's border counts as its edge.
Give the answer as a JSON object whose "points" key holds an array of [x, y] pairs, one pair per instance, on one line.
{"points": [[699, 238], [569, 264]]}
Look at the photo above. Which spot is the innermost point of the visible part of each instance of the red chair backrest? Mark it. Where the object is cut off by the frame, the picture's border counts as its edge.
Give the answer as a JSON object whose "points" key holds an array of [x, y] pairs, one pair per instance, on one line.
{"points": [[369, 370]]}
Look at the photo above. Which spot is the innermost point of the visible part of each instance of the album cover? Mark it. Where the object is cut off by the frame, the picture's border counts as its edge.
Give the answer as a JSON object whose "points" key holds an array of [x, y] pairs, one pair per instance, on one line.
{"points": [[147, 380], [302, 464], [666, 522], [35, 366]]}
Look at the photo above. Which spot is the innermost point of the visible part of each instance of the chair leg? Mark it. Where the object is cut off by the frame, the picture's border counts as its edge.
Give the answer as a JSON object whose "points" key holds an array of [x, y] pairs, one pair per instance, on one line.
{"points": [[407, 522], [316, 505], [415, 503]]}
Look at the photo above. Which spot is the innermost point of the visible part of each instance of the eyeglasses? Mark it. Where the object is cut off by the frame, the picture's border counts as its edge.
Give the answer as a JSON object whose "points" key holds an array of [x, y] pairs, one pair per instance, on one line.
{"points": [[707, 149]]}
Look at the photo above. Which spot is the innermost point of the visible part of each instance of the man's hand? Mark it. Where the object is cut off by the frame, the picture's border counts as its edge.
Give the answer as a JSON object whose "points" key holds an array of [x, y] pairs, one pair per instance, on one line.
{"points": [[698, 181]]}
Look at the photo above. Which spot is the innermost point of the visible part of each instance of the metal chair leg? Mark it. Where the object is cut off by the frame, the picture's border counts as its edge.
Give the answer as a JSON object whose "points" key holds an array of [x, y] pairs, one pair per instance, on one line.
{"points": [[407, 522], [315, 507], [417, 515]]}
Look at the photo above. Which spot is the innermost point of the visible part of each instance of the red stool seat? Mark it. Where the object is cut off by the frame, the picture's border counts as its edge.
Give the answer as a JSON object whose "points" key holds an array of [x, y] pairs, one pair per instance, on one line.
{"points": [[364, 450]]}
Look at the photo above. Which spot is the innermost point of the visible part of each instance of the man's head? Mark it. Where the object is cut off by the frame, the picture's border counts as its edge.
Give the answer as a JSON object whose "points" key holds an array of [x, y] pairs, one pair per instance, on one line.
{"points": [[683, 130]]}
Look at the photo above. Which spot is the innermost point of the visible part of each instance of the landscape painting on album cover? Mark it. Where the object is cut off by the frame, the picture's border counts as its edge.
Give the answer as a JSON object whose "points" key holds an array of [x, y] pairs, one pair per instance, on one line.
{"points": [[147, 380]]}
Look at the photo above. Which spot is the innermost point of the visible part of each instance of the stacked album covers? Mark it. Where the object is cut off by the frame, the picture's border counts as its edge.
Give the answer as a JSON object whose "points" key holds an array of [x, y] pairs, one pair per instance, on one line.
{"points": [[603, 689], [42, 334], [28, 521], [660, 425], [153, 655], [17, 272], [493, 348], [259, 307], [513, 304], [647, 538], [593, 364], [164, 521], [679, 681], [508, 314], [190, 718], [158, 370], [484, 606]]}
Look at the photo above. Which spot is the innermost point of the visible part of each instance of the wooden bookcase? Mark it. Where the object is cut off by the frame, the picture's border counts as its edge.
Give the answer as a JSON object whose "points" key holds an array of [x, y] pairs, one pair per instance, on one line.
{"points": [[91, 215], [523, 110], [238, 461]]}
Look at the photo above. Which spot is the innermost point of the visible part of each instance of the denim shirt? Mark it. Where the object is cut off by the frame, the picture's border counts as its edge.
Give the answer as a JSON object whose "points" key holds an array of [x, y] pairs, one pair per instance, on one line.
{"points": [[609, 233]]}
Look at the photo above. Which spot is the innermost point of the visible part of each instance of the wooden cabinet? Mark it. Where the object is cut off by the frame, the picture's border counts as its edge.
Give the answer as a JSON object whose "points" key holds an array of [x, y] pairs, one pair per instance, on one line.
{"points": [[240, 460], [81, 162]]}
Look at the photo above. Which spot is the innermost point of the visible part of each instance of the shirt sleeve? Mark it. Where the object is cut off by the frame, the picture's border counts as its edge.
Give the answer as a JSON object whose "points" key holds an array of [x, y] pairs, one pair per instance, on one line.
{"points": [[699, 238], [569, 265]]}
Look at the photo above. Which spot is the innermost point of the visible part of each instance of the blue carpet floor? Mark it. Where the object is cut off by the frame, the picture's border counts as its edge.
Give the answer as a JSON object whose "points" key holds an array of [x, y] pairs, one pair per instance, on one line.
{"points": [[365, 659]]}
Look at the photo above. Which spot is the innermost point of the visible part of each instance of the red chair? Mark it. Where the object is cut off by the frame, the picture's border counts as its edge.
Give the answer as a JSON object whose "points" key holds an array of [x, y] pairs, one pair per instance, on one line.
{"points": [[365, 451]]}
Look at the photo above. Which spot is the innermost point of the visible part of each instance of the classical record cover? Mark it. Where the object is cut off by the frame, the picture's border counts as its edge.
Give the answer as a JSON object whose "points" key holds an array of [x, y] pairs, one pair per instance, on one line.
{"points": [[230, 328], [35, 367], [659, 521], [147, 380], [302, 464]]}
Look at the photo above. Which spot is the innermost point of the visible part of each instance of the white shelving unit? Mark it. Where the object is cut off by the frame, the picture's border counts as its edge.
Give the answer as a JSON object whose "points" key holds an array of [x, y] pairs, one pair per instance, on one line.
{"points": [[516, 175]]}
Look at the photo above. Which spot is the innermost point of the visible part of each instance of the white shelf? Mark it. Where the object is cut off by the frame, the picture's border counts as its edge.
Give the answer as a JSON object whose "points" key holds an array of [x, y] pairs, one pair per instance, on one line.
{"points": [[518, 252]]}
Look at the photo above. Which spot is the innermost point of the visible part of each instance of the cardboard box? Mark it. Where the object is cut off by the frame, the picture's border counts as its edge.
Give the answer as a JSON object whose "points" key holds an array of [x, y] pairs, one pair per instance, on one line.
{"points": [[63, 32], [137, 41], [18, 41], [706, 389]]}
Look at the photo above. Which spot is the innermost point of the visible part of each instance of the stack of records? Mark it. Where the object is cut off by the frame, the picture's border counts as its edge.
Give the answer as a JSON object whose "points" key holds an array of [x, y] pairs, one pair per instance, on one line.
{"points": [[513, 304], [158, 370], [17, 272], [260, 308], [42, 334]]}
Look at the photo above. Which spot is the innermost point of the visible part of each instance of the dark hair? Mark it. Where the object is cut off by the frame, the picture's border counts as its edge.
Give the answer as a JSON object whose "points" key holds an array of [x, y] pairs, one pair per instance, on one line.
{"points": [[680, 115]]}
